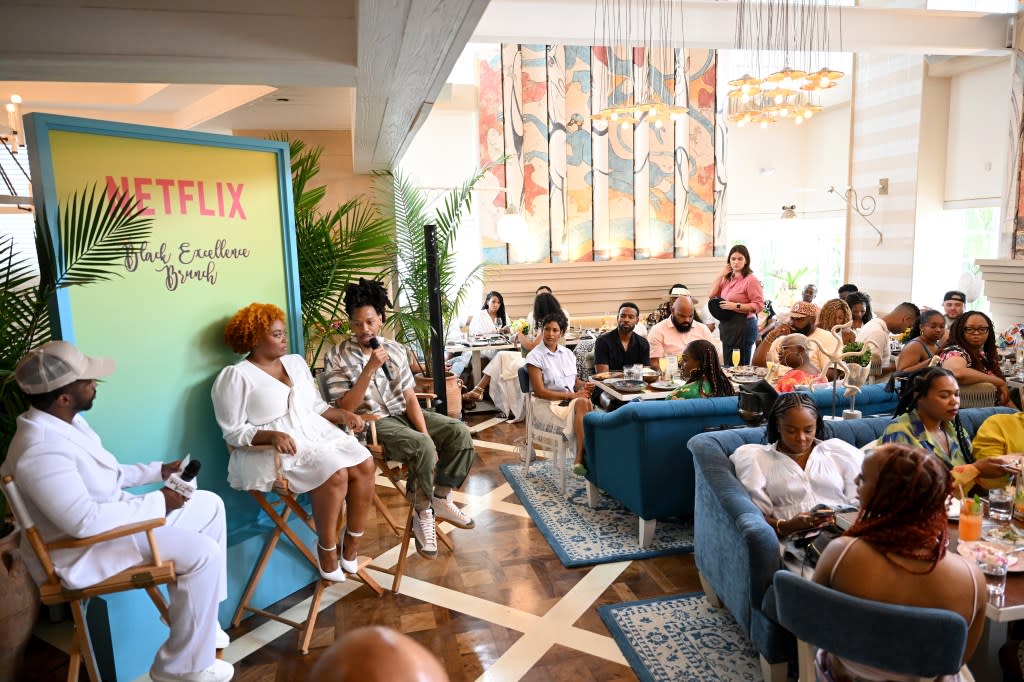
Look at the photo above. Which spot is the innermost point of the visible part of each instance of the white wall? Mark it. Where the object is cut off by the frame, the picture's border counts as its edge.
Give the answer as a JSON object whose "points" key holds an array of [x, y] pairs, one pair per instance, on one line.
{"points": [[444, 154], [979, 117]]}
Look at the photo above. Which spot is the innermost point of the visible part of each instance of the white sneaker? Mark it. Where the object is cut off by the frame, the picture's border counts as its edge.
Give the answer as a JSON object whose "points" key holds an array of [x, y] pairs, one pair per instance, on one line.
{"points": [[445, 510], [221, 639], [425, 533], [220, 671]]}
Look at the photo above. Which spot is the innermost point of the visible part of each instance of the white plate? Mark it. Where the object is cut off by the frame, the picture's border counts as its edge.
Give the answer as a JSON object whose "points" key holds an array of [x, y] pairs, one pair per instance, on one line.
{"points": [[969, 550], [666, 385]]}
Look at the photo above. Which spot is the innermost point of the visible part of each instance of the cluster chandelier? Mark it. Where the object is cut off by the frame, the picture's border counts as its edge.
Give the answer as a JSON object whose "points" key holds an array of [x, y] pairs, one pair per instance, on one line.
{"points": [[640, 69], [787, 42]]}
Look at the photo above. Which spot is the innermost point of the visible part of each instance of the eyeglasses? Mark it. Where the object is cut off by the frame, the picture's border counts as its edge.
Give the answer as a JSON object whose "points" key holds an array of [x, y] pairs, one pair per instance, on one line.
{"points": [[976, 330]]}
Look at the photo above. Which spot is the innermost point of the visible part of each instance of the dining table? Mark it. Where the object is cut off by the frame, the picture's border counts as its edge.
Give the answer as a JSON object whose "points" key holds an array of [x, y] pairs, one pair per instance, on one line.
{"points": [[611, 386]]}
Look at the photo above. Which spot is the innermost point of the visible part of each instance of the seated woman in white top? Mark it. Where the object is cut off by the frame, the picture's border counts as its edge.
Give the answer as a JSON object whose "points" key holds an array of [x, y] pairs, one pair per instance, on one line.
{"points": [[501, 374], [564, 399], [490, 319], [798, 469], [269, 409]]}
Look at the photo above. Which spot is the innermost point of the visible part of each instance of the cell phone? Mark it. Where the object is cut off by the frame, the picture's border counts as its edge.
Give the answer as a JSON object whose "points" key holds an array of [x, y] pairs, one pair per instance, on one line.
{"points": [[565, 403], [823, 512]]}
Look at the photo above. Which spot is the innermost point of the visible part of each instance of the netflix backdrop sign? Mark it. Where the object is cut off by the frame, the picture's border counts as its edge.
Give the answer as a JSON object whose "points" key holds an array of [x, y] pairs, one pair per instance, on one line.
{"points": [[223, 237]]}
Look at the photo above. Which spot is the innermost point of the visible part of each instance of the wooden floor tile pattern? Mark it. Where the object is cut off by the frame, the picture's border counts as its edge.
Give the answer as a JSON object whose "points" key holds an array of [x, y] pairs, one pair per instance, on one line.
{"points": [[504, 560]]}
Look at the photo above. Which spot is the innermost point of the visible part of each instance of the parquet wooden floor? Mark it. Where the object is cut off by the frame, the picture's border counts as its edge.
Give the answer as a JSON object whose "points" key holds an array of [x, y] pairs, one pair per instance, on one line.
{"points": [[501, 608]]}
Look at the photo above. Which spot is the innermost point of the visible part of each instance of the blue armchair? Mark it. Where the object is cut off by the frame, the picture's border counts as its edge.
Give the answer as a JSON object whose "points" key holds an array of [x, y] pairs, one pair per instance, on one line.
{"points": [[737, 552], [900, 639], [639, 455]]}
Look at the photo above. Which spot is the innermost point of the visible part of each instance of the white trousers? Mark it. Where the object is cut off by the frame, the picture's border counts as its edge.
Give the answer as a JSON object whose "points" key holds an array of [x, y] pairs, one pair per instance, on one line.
{"points": [[505, 393], [195, 539]]}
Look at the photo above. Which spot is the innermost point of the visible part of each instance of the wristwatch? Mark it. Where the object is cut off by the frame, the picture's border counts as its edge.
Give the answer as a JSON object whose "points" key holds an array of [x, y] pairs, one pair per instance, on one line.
{"points": [[737, 306]]}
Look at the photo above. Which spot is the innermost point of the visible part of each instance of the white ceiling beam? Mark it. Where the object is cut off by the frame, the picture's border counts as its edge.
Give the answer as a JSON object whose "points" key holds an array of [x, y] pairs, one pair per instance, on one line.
{"points": [[300, 42], [406, 51], [712, 25], [224, 99]]}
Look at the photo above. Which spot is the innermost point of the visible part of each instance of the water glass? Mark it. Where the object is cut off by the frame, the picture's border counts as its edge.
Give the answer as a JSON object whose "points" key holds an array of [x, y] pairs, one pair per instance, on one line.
{"points": [[993, 563], [1000, 504]]}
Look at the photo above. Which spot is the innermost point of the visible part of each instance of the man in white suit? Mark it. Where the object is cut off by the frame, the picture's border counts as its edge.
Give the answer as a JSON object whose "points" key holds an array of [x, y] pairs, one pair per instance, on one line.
{"points": [[73, 487]]}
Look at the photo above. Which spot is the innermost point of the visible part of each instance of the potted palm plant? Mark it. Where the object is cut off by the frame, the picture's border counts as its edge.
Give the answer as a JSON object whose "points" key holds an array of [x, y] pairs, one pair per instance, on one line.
{"points": [[412, 210], [334, 247], [95, 232]]}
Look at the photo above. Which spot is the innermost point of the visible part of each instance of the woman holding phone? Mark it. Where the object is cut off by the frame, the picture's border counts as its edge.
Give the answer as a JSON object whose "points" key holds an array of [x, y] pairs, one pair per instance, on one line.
{"points": [[798, 470], [738, 292]]}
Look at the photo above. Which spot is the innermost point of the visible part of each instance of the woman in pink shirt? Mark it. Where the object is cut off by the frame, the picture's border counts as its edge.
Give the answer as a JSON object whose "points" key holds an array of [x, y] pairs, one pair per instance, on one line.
{"points": [[740, 292]]}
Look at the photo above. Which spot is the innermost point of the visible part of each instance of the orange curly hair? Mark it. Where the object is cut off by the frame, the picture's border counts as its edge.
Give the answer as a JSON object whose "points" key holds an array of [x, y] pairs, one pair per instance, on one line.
{"points": [[250, 324]]}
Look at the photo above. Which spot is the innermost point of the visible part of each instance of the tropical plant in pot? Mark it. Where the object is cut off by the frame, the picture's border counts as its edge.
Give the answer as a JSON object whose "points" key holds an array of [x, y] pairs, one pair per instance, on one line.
{"points": [[95, 232], [334, 248], [412, 210]]}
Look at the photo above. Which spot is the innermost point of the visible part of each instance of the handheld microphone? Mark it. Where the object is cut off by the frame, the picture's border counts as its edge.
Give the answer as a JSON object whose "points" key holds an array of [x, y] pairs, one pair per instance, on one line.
{"points": [[183, 483], [375, 344]]}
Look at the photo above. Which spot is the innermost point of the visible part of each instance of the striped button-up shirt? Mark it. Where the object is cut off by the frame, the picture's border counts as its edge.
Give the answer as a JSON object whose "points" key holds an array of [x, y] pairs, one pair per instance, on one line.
{"points": [[345, 362]]}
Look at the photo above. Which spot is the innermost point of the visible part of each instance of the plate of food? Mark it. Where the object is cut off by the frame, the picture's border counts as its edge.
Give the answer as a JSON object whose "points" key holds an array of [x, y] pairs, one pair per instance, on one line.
{"points": [[627, 385], [667, 385], [1007, 535], [602, 376], [974, 550]]}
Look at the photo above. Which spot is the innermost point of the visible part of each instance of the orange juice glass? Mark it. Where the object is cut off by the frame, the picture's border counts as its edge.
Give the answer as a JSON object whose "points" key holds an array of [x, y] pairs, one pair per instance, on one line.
{"points": [[970, 520]]}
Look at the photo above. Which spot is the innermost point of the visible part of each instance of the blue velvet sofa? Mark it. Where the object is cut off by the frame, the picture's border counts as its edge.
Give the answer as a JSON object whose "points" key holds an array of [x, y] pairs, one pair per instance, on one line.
{"points": [[737, 552], [639, 455]]}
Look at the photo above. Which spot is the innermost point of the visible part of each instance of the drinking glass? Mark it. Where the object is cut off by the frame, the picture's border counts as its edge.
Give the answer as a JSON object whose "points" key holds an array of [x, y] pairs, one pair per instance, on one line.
{"points": [[735, 357], [636, 372], [970, 520], [1000, 504], [666, 375], [993, 563]]}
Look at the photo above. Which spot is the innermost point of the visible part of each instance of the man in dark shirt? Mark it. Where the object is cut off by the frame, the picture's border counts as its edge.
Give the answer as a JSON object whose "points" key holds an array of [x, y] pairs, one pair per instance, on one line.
{"points": [[620, 346]]}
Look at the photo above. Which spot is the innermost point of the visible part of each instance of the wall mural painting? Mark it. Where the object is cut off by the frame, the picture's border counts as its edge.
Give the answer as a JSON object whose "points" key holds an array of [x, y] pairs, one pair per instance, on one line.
{"points": [[579, 190], [557, 150], [591, 192], [697, 238], [492, 147]]}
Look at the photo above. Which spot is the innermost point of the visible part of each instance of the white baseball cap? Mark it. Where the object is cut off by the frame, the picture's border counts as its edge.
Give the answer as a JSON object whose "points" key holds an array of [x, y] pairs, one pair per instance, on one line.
{"points": [[56, 364]]}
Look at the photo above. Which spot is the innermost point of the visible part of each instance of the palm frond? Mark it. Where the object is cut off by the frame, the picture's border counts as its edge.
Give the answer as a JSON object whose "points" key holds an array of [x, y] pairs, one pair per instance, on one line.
{"points": [[97, 231]]}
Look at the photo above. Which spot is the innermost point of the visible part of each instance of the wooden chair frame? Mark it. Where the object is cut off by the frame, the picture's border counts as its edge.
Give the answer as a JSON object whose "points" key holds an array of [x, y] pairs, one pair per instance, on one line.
{"points": [[146, 576], [279, 511], [393, 475]]}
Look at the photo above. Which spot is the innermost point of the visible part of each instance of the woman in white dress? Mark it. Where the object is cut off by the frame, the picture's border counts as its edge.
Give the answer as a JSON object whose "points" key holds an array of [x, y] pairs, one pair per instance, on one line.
{"points": [[270, 411], [798, 469]]}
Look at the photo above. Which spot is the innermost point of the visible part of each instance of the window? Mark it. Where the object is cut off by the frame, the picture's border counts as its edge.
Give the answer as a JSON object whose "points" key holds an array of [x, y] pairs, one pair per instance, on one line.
{"points": [[775, 258]]}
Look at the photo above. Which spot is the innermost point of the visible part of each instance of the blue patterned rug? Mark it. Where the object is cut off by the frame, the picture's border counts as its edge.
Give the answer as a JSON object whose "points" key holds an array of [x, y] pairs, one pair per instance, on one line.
{"points": [[682, 638], [582, 536]]}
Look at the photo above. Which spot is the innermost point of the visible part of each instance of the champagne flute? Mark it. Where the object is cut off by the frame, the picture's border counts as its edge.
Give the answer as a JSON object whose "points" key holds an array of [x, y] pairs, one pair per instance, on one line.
{"points": [[735, 357]]}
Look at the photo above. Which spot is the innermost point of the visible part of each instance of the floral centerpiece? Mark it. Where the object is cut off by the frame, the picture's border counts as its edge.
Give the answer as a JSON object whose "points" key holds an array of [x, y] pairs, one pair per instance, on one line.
{"points": [[903, 336], [520, 326]]}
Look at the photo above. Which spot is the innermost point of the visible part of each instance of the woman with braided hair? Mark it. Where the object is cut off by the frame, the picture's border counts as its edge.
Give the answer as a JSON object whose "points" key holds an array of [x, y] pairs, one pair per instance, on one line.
{"points": [[703, 373], [798, 469], [970, 354], [928, 417], [895, 552]]}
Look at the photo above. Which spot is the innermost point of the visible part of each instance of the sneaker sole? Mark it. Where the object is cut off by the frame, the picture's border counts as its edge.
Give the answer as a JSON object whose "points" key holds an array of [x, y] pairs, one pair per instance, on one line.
{"points": [[422, 552], [457, 524]]}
